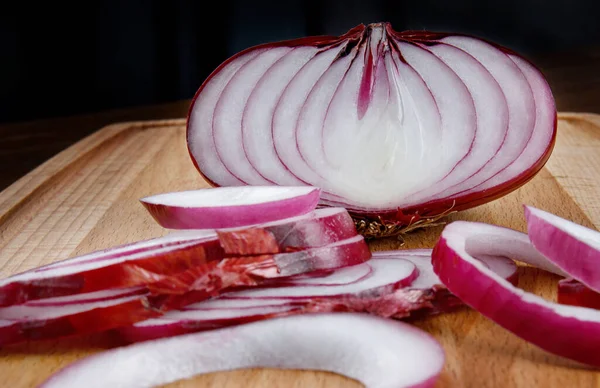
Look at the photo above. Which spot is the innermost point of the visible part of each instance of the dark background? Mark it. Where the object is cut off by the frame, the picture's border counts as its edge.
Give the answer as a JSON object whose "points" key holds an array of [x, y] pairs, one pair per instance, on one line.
{"points": [[60, 60]]}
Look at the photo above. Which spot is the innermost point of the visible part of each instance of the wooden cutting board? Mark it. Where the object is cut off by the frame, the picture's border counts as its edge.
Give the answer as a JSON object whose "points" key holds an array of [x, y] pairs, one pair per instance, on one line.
{"points": [[86, 198]]}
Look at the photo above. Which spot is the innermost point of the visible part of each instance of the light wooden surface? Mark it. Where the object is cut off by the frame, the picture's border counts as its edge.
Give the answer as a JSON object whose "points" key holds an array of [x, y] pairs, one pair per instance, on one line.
{"points": [[86, 198]]}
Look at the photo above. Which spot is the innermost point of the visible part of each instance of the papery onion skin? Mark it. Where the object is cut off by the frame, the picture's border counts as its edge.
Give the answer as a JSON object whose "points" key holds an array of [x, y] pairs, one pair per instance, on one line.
{"points": [[435, 207], [573, 293]]}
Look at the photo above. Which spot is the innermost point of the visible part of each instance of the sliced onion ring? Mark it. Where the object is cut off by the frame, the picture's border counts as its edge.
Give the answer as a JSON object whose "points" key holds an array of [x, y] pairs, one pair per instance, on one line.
{"points": [[386, 353], [228, 207], [571, 332]]}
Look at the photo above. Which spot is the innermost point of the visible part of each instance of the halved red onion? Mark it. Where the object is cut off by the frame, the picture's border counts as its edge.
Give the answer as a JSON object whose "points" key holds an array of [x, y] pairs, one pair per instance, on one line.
{"points": [[567, 331], [379, 120], [227, 207], [573, 248], [573, 293], [386, 353], [73, 315]]}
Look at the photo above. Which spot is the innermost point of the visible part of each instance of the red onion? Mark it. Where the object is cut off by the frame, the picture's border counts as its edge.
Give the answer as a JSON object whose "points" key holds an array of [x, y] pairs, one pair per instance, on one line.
{"points": [[380, 120], [573, 248], [567, 331], [386, 353], [230, 207]]}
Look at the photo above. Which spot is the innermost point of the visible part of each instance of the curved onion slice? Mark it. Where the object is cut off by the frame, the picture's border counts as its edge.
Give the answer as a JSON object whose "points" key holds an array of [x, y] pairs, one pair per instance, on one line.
{"points": [[386, 353], [570, 246], [385, 275], [567, 331], [339, 277], [380, 120], [73, 315], [227, 207]]}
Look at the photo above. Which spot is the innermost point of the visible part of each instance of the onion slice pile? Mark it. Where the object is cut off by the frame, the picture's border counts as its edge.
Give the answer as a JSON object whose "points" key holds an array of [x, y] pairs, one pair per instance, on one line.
{"points": [[225, 207], [386, 353], [567, 331], [379, 120], [148, 261], [402, 284]]}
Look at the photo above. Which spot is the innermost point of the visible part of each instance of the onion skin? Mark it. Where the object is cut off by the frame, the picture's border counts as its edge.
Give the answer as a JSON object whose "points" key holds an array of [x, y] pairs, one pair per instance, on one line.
{"points": [[573, 293], [413, 213], [534, 319]]}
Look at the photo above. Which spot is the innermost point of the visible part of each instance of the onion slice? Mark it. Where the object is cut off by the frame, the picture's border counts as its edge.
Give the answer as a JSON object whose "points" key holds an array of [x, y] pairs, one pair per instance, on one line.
{"points": [[386, 353], [571, 332], [573, 248], [228, 207], [73, 315], [131, 265], [386, 275]]}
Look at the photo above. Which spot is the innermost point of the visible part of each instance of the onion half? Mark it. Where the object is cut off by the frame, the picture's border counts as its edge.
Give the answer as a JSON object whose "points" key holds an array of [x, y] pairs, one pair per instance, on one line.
{"points": [[380, 120]]}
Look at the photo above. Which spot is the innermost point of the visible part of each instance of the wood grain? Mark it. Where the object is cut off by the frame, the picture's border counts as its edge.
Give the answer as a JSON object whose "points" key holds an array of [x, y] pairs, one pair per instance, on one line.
{"points": [[86, 198]]}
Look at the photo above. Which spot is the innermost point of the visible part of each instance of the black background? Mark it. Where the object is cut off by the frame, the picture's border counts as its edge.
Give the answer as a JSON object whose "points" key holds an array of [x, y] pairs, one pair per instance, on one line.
{"points": [[63, 59]]}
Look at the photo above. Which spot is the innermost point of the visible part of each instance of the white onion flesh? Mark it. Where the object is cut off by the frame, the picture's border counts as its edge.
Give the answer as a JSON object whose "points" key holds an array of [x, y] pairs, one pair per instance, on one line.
{"points": [[378, 120], [386, 354]]}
